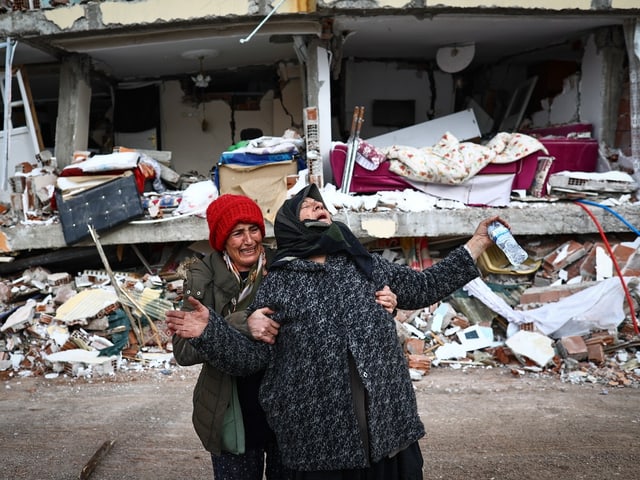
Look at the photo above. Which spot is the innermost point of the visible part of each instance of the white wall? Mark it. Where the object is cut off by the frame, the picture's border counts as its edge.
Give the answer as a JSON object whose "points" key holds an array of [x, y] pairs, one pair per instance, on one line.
{"points": [[592, 87], [196, 150], [561, 109], [370, 80], [581, 98]]}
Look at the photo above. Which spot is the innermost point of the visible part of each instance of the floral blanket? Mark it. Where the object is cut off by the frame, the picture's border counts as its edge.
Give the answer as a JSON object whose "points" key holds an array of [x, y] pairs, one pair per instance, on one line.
{"points": [[453, 162]]}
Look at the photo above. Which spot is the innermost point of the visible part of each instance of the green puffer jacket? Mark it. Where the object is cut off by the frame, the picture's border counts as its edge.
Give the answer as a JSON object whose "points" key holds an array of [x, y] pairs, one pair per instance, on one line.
{"points": [[209, 281]]}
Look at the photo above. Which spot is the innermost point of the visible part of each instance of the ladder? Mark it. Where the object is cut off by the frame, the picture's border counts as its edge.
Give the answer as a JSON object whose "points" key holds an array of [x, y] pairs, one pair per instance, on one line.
{"points": [[26, 139]]}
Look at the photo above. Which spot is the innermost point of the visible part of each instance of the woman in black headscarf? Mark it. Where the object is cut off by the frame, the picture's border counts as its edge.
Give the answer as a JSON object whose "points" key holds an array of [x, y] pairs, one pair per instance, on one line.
{"points": [[304, 229], [337, 390]]}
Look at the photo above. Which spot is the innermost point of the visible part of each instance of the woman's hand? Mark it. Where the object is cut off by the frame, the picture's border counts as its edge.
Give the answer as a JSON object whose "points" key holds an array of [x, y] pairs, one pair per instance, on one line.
{"points": [[188, 324], [387, 299], [262, 327], [480, 240]]}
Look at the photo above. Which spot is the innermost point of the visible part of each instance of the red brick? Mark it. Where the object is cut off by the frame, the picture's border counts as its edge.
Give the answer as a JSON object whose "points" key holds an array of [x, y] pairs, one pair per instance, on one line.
{"points": [[414, 346], [632, 266], [573, 269], [595, 353], [460, 322], [420, 362], [588, 264], [602, 337], [529, 297], [573, 347], [623, 253], [504, 355], [549, 296], [575, 251], [540, 248]]}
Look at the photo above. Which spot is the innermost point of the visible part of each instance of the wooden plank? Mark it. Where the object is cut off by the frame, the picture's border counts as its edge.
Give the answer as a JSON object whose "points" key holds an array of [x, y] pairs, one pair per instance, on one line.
{"points": [[91, 465]]}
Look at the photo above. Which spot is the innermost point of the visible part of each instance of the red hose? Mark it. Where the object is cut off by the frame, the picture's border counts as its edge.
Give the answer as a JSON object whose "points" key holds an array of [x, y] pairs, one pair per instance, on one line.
{"points": [[615, 264]]}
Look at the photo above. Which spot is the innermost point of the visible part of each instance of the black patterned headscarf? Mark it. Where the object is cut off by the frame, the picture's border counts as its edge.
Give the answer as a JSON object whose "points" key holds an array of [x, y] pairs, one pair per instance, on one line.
{"points": [[298, 239]]}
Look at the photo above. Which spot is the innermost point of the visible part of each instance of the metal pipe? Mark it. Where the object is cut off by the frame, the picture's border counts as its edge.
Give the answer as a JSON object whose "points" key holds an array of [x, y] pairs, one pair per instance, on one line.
{"points": [[250, 36]]}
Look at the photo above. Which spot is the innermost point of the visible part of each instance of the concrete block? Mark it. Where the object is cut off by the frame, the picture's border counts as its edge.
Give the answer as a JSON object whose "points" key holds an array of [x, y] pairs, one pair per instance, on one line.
{"points": [[535, 346]]}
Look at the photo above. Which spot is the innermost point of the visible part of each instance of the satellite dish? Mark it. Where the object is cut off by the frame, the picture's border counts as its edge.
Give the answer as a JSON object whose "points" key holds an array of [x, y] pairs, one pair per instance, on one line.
{"points": [[454, 58]]}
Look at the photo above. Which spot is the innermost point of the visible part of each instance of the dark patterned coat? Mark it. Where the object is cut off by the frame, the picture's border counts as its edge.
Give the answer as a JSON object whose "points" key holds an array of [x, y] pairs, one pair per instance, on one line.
{"points": [[328, 312]]}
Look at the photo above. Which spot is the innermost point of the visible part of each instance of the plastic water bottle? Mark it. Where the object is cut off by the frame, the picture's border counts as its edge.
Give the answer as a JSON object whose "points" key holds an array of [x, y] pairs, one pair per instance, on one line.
{"points": [[503, 238]]}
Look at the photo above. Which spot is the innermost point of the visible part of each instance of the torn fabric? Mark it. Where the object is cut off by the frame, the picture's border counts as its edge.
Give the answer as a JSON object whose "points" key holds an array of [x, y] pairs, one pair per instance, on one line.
{"points": [[600, 307]]}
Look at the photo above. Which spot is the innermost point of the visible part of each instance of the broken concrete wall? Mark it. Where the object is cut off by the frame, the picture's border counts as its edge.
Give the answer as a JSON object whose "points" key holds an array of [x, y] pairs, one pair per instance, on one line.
{"points": [[196, 146], [367, 81], [557, 97], [110, 14], [590, 95]]}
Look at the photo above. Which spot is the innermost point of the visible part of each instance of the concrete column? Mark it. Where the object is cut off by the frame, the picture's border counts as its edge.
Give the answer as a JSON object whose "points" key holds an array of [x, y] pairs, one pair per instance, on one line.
{"points": [[632, 39], [318, 94], [72, 124], [610, 45]]}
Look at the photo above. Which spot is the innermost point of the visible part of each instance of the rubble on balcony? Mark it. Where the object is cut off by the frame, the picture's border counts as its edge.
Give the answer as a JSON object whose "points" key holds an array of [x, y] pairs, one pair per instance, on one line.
{"points": [[166, 193], [78, 324]]}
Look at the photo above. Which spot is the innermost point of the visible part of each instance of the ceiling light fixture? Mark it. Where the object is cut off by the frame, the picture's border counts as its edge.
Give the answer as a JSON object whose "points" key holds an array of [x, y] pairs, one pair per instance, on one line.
{"points": [[201, 79]]}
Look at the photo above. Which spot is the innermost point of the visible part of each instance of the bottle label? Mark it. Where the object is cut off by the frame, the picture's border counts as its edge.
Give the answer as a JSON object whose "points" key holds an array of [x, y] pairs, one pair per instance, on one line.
{"points": [[498, 232]]}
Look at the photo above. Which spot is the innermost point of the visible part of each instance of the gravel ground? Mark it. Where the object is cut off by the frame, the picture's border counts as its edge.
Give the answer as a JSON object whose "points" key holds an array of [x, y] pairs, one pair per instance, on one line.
{"points": [[482, 423]]}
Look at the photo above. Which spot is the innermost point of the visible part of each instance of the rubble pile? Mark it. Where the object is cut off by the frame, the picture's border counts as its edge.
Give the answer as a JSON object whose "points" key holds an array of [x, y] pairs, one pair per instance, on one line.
{"points": [[534, 320], [600, 357], [53, 323], [564, 313]]}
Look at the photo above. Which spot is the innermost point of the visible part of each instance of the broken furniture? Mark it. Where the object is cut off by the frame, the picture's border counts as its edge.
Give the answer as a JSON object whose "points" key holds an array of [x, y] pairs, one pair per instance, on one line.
{"points": [[104, 206], [567, 182], [571, 146], [363, 180]]}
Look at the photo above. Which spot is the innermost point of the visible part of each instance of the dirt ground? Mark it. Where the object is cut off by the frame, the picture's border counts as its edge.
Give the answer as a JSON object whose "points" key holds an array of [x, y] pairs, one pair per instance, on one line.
{"points": [[481, 424]]}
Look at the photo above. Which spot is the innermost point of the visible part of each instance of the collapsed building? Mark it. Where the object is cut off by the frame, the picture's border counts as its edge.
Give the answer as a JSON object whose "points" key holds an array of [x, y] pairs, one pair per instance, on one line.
{"points": [[136, 109]]}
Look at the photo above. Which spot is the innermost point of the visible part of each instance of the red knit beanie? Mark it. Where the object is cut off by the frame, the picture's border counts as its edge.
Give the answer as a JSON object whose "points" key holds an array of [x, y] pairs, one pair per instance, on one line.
{"points": [[228, 210]]}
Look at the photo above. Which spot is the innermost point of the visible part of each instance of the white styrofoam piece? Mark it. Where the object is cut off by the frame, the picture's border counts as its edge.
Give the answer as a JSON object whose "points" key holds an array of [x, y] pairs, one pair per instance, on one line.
{"points": [[462, 125], [536, 346], [450, 351], [475, 337]]}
